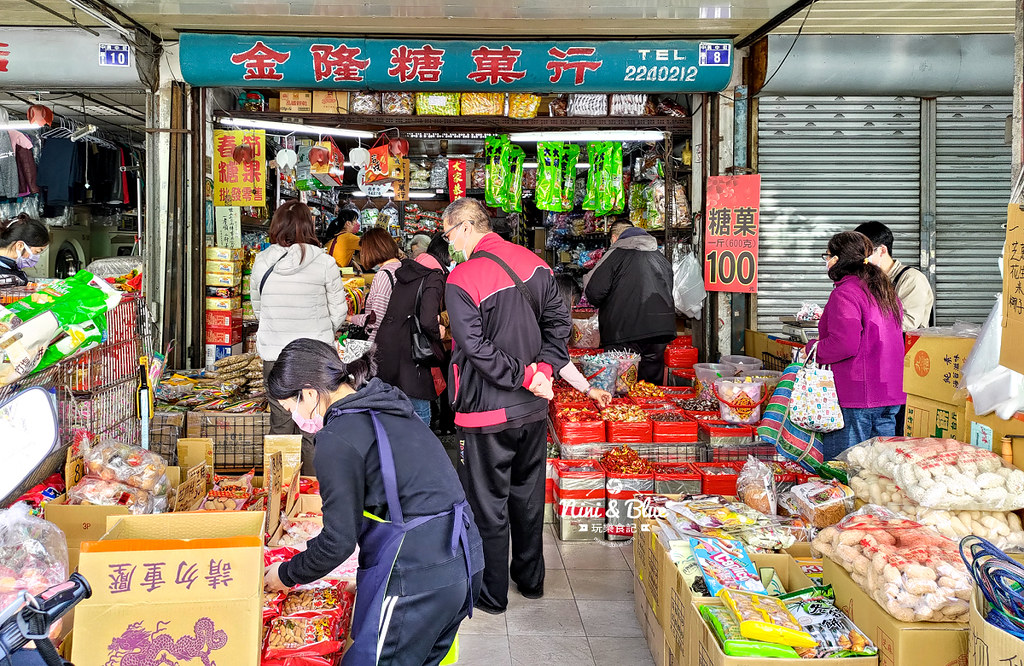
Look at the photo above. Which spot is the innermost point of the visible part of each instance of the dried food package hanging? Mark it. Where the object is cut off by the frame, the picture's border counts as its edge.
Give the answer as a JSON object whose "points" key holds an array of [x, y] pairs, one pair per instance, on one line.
{"points": [[549, 175], [570, 158], [595, 157], [495, 160], [515, 158]]}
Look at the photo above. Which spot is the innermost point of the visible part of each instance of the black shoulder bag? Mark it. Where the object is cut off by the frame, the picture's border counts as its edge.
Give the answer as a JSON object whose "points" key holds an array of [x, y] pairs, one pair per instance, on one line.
{"points": [[515, 278], [423, 352]]}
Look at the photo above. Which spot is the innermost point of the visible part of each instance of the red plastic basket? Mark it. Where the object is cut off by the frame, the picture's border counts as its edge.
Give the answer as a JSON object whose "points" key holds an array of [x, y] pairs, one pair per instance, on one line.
{"points": [[718, 484], [580, 432], [624, 432], [656, 404], [677, 479], [680, 357], [682, 341], [666, 432]]}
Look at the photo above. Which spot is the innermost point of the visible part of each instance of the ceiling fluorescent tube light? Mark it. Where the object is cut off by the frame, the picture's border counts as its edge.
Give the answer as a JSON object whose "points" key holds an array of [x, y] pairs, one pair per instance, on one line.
{"points": [[105, 20], [294, 128], [584, 135], [18, 125], [422, 195]]}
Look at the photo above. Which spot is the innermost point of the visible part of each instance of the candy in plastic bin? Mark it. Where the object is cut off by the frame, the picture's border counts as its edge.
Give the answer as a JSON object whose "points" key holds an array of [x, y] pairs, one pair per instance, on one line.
{"points": [[765, 618], [725, 565], [727, 631]]}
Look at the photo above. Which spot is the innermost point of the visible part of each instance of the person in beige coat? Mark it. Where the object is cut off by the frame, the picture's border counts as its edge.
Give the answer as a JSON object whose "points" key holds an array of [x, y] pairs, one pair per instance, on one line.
{"points": [[296, 293], [912, 287]]}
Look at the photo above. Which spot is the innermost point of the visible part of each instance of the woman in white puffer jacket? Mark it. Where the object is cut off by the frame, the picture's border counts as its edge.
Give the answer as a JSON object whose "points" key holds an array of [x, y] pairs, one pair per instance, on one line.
{"points": [[296, 293]]}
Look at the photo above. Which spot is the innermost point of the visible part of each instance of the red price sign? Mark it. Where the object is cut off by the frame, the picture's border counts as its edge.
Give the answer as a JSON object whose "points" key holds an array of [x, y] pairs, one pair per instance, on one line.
{"points": [[732, 228]]}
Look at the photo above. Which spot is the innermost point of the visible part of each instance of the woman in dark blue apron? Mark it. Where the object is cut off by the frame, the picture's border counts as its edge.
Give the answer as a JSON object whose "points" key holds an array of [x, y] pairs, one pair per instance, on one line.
{"points": [[387, 486]]}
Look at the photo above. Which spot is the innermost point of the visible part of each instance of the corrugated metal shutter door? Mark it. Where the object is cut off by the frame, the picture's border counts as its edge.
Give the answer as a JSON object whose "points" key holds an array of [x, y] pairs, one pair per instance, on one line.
{"points": [[827, 165], [972, 164]]}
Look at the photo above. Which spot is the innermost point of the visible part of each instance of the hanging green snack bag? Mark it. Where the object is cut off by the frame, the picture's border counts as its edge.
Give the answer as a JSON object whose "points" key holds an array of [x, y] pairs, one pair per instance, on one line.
{"points": [[726, 630], [549, 176], [516, 157], [616, 184], [606, 196], [495, 188], [571, 158], [593, 176]]}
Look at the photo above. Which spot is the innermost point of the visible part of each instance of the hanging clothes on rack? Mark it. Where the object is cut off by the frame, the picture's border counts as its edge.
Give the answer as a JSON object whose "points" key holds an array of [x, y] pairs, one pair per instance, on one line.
{"points": [[8, 163], [60, 168], [26, 161]]}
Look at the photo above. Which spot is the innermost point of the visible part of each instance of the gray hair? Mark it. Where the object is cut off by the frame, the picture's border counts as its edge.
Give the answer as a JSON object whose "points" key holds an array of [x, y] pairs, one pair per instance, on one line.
{"points": [[420, 240], [469, 210]]}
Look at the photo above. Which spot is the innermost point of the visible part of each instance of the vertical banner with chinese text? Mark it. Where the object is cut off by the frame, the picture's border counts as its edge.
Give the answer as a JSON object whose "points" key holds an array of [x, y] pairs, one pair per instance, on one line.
{"points": [[732, 226], [1011, 352], [456, 179], [239, 183]]}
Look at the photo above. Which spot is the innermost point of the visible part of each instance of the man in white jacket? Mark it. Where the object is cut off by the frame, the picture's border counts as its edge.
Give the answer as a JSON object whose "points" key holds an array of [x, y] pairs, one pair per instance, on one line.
{"points": [[296, 292]]}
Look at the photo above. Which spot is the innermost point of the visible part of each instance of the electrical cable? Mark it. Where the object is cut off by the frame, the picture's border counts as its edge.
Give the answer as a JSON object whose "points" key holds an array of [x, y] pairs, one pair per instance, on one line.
{"points": [[795, 40], [1001, 581]]}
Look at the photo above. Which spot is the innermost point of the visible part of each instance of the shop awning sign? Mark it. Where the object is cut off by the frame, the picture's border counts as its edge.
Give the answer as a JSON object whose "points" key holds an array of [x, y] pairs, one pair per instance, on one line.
{"points": [[732, 232], [665, 66]]}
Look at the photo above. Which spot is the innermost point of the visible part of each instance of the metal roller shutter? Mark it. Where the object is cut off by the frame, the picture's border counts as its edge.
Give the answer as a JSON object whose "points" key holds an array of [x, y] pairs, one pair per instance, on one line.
{"points": [[972, 186], [827, 165]]}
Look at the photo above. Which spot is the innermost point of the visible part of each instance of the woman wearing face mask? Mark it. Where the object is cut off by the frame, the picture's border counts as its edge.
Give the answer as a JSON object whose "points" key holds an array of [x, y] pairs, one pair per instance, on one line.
{"points": [[861, 337], [22, 240], [387, 487]]}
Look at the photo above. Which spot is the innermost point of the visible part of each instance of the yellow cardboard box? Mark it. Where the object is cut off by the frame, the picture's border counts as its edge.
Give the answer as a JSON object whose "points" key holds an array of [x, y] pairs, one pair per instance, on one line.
{"points": [[296, 101], [225, 254], [709, 652], [290, 447], [989, 644], [931, 418], [330, 101], [899, 643], [932, 366], [159, 579], [987, 432]]}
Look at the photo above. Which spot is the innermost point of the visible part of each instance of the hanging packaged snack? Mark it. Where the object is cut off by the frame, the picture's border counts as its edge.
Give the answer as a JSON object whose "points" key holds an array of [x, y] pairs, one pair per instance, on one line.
{"points": [[595, 157], [550, 155], [523, 105], [725, 565], [628, 104], [680, 207], [516, 156], [483, 104], [437, 104], [398, 103], [726, 630], [559, 107], [478, 178], [765, 618], [669, 107], [365, 103], [837, 636], [611, 196], [587, 104], [569, 161], [495, 161], [439, 173]]}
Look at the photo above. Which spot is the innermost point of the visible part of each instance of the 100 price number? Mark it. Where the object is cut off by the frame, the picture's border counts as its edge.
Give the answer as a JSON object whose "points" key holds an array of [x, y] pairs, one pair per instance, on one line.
{"points": [[726, 267]]}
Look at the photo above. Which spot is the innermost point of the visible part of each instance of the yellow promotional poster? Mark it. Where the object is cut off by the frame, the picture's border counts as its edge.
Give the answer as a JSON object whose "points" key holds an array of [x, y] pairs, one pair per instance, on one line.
{"points": [[1011, 352], [239, 167], [183, 589]]}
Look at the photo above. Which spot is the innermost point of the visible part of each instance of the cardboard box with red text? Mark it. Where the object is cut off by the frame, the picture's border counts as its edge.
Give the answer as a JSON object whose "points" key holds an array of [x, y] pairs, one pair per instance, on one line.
{"points": [[932, 366]]}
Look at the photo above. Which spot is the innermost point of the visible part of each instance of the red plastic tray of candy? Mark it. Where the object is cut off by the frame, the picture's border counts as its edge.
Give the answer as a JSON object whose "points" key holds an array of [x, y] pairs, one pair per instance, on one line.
{"points": [[669, 431], [719, 478], [630, 432]]}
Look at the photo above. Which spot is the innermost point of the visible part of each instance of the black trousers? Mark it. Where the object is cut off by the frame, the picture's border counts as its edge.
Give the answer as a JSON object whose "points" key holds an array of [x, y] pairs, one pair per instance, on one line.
{"points": [[503, 474], [281, 423], [652, 359], [419, 629]]}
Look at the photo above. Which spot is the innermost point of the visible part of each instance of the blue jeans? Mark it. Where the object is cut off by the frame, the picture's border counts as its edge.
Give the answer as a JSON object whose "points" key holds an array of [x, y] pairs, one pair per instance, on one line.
{"points": [[861, 424], [422, 409]]}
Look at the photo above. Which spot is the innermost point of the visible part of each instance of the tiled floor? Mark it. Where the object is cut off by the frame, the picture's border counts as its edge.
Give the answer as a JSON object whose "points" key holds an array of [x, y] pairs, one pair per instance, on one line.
{"points": [[586, 617]]}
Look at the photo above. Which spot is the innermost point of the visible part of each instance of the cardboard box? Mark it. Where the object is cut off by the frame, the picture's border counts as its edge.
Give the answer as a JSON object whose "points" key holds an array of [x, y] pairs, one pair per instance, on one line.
{"points": [[223, 280], [224, 304], [989, 644], [755, 343], [224, 267], [219, 319], [296, 101], [224, 336], [236, 254], [290, 447], [215, 353], [899, 643], [932, 366], [330, 101], [931, 418], [709, 652], [987, 432], [195, 450], [173, 575]]}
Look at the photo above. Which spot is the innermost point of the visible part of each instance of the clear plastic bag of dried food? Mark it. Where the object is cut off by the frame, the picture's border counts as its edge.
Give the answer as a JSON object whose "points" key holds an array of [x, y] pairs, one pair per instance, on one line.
{"points": [[523, 105], [587, 104], [398, 103], [365, 104], [628, 104]]}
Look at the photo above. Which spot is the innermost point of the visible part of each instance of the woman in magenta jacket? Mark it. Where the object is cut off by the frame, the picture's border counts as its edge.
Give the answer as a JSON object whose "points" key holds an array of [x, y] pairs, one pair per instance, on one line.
{"points": [[861, 337]]}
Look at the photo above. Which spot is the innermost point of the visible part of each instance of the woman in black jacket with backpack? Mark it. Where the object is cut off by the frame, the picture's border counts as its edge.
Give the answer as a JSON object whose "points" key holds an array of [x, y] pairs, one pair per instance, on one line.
{"points": [[395, 362]]}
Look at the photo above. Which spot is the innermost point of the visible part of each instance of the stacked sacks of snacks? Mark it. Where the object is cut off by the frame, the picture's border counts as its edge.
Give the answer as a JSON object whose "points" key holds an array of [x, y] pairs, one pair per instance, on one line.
{"points": [[33, 556], [913, 572], [235, 386], [121, 474], [308, 624], [956, 488]]}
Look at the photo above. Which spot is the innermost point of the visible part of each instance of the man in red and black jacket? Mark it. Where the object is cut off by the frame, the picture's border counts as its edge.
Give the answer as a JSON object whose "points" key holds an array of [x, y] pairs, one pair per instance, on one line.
{"points": [[510, 327]]}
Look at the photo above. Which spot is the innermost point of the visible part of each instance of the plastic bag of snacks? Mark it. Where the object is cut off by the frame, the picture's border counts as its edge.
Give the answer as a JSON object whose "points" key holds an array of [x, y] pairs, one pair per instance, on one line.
{"points": [[587, 104], [365, 103], [33, 555], [726, 566], [837, 636], [823, 503], [726, 630], [398, 103], [764, 618], [523, 105], [111, 460], [628, 104], [756, 486], [942, 473], [602, 372], [912, 571], [303, 636], [586, 333], [319, 598], [94, 490], [437, 104], [241, 483], [629, 366], [483, 104]]}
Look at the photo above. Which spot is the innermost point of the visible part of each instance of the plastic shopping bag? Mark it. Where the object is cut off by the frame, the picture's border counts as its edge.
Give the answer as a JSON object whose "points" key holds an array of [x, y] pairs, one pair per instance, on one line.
{"points": [[688, 284]]}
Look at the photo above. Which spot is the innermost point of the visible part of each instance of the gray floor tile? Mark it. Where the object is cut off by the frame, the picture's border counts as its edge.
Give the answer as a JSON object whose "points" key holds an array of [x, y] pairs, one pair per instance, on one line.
{"points": [[556, 586], [613, 585], [552, 557], [609, 618], [546, 617], [628, 554], [599, 555], [620, 651], [484, 624], [564, 651], [478, 650]]}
